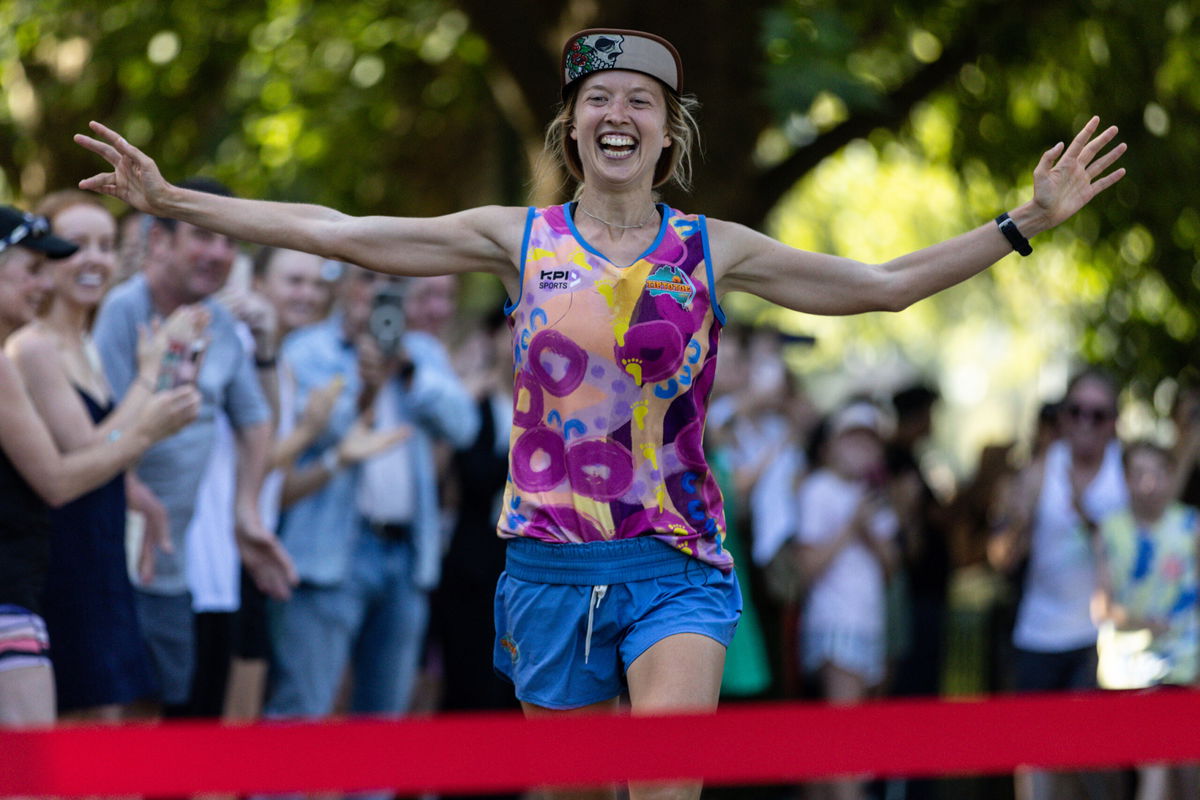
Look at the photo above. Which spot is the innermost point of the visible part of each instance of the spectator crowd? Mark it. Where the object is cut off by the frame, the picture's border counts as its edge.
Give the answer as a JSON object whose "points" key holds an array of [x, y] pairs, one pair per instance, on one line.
{"points": [[315, 533]]}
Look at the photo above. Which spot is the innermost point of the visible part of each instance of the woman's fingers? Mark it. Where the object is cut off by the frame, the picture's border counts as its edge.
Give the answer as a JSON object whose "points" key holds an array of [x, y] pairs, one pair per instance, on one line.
{"points": [[1082, 164], [110, 146], [104, 183], [105, 151], [115, 139], [1107, 181], [1097, 144], [1048, 158], [1081, 138], [134, 173], [119, 144], [1105, 161]]}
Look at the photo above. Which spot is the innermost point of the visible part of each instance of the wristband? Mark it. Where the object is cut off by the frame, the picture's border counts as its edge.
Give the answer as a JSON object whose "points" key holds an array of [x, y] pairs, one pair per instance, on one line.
{"points": [[330, 461], [264, 363], [1013, 234]]}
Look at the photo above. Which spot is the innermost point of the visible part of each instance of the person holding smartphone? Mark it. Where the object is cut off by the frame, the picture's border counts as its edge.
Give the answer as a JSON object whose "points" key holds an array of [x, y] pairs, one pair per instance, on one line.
{"points": [[186, 265], [365, 537], [41, 467]]}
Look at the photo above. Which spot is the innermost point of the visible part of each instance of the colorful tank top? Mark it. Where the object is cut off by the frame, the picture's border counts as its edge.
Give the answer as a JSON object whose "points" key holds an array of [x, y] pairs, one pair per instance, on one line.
{"points": [[613, 370], [1153, 575]]}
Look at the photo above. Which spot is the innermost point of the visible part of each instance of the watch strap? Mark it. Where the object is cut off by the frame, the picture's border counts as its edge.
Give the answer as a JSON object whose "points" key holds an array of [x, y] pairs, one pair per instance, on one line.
{"points": [[1013, 234]]}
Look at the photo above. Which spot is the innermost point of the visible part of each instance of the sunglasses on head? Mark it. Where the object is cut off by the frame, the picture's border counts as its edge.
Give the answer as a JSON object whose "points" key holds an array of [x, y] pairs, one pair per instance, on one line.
{"points": [[1093, 415]]}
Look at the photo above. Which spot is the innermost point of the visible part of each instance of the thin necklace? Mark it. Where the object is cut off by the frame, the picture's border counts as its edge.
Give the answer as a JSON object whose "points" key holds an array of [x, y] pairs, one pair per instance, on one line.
{"points": [[641, 224]]}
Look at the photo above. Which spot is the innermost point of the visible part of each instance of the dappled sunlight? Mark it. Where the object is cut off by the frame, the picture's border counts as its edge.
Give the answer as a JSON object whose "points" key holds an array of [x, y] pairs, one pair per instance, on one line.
{"points": [[997, 345], [425, 108]]}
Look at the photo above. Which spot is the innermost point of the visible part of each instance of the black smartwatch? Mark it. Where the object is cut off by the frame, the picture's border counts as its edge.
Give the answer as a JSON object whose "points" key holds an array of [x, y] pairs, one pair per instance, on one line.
{"points": [[1013, 234]]}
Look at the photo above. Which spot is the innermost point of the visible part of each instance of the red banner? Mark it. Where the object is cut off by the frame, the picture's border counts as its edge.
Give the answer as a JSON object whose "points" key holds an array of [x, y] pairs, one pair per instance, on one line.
{"points": [[738, 745]]}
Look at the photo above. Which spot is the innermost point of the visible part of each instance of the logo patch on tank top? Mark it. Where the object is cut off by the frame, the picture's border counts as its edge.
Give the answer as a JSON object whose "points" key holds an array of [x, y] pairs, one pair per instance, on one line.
{"points": [[551, 279], [673, 282]]}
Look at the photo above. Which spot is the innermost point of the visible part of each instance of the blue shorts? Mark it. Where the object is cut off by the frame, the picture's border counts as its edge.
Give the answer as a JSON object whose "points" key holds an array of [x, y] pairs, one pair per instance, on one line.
{"points": [[571, 618]]}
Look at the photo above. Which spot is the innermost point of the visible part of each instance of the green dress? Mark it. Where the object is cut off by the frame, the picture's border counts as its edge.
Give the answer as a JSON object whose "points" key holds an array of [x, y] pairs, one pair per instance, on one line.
{"points": [[747, 671]]}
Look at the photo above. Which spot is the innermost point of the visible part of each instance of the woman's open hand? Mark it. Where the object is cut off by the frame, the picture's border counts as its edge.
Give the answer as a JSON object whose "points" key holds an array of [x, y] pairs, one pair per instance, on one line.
{"points": [[1066, 181], [135, 177]]}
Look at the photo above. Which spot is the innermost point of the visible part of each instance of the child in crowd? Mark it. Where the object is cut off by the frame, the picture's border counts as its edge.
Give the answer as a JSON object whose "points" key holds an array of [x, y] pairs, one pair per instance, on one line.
{"points": [[1147, 565], [1148, 584], [847, 536]]}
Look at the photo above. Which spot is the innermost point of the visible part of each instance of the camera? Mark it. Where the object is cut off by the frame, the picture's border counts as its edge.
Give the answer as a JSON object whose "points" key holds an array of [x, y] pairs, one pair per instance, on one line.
{"points": [[386, 322]]}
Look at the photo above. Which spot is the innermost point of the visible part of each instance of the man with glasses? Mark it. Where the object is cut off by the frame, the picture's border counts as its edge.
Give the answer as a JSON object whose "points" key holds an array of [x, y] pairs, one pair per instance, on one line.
{"points": [[367, 546]]}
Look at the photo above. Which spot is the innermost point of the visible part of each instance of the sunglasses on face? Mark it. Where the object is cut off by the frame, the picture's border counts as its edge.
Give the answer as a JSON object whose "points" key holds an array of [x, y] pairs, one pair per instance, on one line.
{"points": [[1093, 415]]}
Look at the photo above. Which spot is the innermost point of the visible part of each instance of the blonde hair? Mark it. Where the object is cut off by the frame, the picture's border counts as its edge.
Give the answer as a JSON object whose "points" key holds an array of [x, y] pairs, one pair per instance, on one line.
{"points": [[55, 203], [674, 164]]}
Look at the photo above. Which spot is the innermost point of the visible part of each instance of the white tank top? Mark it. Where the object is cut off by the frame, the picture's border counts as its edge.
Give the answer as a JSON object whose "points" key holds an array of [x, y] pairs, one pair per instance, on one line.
{"points": [[1055, 613]]}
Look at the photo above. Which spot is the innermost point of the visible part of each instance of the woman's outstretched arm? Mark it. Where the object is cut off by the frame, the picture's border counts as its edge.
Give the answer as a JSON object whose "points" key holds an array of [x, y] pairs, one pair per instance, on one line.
{"points": [[485, 239], [1065, 180]]}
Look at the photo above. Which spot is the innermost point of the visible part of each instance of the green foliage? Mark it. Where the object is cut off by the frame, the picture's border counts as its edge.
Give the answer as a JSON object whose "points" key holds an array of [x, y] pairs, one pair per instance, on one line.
{"points": [[369, 106], [1132, 259], [806, 57], [427, 106], [1135, 66]]}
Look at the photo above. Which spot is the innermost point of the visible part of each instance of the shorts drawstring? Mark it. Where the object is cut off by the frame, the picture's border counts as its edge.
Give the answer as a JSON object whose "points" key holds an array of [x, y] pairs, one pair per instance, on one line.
{"points": [[598, 593]]}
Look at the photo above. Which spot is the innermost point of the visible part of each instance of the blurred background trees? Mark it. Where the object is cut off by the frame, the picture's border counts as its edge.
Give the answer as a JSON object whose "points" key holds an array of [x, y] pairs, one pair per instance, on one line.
{"points": [[863, 129]]}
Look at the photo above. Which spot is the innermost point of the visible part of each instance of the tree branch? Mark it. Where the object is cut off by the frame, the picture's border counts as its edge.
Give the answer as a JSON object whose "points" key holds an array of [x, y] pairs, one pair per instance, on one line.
{"points": [[981, 33]]}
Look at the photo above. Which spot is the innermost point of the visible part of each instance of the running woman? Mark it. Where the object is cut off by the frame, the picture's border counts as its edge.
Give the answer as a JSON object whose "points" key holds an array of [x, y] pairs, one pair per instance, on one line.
{"points": [[616, 576]]}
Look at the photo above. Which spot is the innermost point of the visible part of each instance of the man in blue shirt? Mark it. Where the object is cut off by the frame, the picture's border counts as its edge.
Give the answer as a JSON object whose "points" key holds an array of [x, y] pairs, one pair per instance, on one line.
{"points": [[367, 544], [186, 265]]}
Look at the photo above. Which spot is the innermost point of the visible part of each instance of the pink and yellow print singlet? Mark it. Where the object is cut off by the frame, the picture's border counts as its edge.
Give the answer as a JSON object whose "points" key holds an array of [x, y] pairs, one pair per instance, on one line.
{"points": [[613, 369]]}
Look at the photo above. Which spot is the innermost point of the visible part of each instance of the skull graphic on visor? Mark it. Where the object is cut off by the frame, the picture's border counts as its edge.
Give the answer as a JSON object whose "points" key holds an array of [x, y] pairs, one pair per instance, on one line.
{"points": [[589, 54]]}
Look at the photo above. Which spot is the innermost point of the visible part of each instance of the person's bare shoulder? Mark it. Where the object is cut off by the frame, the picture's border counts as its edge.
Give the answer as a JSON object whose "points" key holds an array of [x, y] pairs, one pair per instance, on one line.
{"points": [[33, 346], [504, 225], [10, 379]]}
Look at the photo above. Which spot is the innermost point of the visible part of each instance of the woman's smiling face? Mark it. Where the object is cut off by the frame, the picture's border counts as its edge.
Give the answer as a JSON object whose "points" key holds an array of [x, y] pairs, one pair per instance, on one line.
{"points": [[83, 278], [620, 127]]}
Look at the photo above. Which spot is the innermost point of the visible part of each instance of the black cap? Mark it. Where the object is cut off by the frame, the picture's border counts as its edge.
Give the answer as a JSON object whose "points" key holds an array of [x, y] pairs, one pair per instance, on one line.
{"points": [[33, 232]]}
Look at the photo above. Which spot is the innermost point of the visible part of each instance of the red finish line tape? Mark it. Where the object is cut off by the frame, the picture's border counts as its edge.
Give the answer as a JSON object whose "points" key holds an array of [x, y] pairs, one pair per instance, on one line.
{"points": [[738, 745]]}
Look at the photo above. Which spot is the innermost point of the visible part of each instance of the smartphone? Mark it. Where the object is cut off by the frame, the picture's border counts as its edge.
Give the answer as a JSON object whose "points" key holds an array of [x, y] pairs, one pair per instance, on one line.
{"points": [[180, 363]]}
